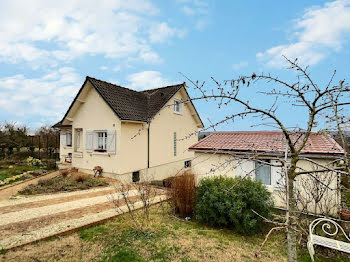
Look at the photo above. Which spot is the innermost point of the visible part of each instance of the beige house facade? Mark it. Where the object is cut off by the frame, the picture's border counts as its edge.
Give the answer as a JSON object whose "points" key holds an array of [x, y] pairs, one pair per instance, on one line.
{"points": [[132, 135], [256, 155]]}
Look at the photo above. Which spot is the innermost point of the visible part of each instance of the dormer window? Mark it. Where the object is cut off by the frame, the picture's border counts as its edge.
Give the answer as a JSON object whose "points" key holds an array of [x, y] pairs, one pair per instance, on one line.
{"points": [[177, 106]]}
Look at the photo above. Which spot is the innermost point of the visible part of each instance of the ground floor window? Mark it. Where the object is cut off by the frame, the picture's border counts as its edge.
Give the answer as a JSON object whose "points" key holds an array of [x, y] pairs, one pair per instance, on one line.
{"points": [[102, 141], [78, 136], [263, 171], [69, 139]]}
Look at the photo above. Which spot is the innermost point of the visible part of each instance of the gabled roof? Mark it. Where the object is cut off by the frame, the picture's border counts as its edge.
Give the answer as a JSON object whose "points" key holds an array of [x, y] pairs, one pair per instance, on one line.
{"points": [[129, 104], [265, 142]]}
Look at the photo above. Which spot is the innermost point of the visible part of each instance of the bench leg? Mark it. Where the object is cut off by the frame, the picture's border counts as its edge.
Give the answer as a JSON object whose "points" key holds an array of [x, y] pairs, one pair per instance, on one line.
{"points": [[311, 249]]}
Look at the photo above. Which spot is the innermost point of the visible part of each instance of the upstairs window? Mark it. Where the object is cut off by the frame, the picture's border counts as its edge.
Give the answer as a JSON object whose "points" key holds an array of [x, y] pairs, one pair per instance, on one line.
{"points": [[263, 171], [177, 106]]}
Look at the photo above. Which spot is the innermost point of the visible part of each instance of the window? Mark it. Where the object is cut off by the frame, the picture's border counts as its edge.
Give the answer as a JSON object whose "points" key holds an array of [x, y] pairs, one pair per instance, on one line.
{"points": [[177, 106], [175, 145], [78, 133], [187, 163], [136, 176], [69, 139], [263, 172], [101, 141]]}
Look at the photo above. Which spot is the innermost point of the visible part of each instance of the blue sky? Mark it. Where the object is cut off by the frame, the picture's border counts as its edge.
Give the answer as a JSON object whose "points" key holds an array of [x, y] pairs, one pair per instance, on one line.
{"points": [[47, 48]]}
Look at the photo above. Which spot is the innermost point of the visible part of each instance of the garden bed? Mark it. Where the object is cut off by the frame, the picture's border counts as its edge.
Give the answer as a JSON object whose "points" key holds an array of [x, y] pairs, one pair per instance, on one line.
{"points": [[63, 183], [10, 174]]}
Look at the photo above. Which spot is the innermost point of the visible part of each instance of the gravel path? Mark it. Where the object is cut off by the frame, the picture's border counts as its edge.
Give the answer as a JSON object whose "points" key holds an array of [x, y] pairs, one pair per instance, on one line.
{"points": [[30, 199], [20, 239], [30, 213], [25, 219]]}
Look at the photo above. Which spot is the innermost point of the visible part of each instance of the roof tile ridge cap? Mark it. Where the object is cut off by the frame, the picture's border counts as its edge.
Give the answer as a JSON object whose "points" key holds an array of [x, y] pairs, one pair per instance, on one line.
{"points": [[157, 88], [139, 92], [247, 131], [200, 141]]}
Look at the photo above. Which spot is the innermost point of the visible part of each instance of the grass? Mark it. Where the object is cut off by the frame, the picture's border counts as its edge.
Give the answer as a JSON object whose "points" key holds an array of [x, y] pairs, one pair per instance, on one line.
{"points": [[14, 170], [169, 238], [174, 239], [62, 183]]}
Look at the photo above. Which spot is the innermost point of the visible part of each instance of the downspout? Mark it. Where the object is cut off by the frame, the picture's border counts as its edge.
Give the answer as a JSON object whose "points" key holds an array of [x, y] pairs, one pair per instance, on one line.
{"points": [[149, 124]]}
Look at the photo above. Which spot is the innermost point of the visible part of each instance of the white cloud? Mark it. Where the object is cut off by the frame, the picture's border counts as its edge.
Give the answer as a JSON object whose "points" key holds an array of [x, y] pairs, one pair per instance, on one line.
{"points": [[103, 68], [320, 31], [162, 31], [47, 97], [147, 80], [188, 10], [117, 68], [240, 65], [52, 31], [199, 10]]}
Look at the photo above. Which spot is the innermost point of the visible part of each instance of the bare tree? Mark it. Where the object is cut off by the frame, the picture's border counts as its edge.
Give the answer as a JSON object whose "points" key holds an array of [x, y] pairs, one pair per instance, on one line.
{"points": [[137, 199], [303, 92]]}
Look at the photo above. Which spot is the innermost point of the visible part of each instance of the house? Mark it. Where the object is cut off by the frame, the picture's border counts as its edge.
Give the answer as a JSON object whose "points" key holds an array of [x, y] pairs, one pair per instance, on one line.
{"points": [[258, 155], [129, 133]]}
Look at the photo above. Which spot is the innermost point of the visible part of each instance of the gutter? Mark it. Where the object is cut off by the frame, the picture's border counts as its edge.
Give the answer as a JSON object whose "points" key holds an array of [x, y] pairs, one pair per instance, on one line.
{"points": [[233, 153]]}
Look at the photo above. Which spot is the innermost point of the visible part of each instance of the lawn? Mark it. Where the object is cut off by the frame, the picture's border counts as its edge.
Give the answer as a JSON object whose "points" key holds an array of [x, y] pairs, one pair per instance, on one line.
{"points": [[62, 183], [169, 238], [7, 171]]}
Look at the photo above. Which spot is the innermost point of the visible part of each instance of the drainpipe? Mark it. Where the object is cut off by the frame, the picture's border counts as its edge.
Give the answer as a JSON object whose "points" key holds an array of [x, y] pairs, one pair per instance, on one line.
{"points": [[149, 124]]}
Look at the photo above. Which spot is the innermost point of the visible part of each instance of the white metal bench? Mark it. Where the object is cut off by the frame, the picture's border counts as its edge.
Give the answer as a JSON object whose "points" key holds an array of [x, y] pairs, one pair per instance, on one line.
{"points": [[331, 229]]}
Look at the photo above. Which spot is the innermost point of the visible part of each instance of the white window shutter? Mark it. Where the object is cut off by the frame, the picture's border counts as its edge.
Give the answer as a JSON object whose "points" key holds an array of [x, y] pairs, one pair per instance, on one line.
{"points": [[63, 138], [89, 141], [95, 140], [111, 141]]}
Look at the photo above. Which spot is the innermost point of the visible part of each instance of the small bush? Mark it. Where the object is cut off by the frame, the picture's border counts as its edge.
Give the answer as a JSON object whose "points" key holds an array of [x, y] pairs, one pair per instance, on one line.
{"points": [[80, 178], [64, 172], [228, 202], [45, 182], [183, 193]]}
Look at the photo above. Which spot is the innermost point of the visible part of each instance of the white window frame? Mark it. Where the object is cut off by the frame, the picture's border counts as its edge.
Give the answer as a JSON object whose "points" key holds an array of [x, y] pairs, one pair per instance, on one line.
{"points": [[178, 106]]}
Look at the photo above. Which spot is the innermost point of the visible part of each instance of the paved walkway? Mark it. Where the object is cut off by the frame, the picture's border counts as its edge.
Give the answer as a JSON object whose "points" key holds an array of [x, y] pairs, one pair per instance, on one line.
{"points": [[27, 219]]}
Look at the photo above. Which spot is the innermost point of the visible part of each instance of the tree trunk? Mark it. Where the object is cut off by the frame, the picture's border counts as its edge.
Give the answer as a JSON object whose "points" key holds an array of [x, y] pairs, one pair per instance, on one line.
{"points": [[291, 233]]}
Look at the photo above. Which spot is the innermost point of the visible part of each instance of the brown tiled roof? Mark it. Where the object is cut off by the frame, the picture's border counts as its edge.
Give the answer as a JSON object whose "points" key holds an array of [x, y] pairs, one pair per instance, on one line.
{"points": [[265, 141], [133, 105], [130, 104]]}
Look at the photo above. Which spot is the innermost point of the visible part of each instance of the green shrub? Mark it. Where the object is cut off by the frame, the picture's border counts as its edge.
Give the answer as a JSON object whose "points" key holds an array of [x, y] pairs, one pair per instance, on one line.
{"points": [[228, 202]]}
